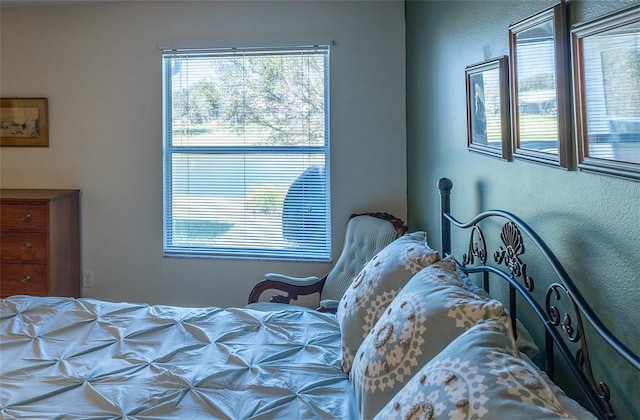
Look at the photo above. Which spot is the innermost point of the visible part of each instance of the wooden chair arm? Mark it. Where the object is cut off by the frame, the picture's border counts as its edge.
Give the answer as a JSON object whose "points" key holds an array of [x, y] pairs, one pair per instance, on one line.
{"points": [[292, 291]]}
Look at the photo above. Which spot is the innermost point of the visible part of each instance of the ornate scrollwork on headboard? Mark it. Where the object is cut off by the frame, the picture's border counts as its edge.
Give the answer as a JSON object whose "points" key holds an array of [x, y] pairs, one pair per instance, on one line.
{"points": [[565, 322], [565, 309], [477, 248], [510, 255], [575, 334]]}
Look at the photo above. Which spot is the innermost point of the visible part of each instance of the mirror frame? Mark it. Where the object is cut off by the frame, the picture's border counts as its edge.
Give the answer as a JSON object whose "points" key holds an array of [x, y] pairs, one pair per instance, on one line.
{"points": [[563, 158], [501, 65], [580, 32]]}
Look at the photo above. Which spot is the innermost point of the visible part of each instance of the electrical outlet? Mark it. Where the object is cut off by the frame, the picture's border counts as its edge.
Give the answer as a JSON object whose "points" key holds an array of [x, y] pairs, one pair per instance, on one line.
{"points": [[87, 279]]}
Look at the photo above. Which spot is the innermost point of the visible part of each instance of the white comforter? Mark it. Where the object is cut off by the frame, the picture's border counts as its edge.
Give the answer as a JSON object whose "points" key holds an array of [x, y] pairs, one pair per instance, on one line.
{"points": [[83, 358]]}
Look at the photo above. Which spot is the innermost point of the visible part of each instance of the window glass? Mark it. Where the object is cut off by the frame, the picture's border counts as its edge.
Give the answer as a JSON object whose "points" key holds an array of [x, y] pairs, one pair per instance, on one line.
{"points": [[246, 150]]}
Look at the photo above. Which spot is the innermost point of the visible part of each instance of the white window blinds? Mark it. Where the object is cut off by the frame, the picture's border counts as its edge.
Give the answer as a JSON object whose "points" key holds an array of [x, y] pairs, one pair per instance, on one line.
{"points": [[612, 88], [246, 153]]}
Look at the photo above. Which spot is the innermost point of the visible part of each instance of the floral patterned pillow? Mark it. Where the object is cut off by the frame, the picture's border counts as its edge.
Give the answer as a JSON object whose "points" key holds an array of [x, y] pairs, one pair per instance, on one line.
{"points": [[524, 340], [376, 285], [479, 375], [577, 410], [431, 311]]}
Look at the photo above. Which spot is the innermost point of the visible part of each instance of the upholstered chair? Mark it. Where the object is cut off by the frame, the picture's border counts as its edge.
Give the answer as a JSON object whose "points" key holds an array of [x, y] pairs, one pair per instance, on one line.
{"points": [[366, 235]]}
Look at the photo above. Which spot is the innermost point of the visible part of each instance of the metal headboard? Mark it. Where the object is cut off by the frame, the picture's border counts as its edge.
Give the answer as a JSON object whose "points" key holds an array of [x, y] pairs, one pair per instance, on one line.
{"points": [[559, 327]]}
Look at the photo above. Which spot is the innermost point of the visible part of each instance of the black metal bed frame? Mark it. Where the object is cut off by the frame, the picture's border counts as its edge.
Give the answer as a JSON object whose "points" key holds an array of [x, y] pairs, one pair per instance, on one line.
{"points": [[559, 327]]}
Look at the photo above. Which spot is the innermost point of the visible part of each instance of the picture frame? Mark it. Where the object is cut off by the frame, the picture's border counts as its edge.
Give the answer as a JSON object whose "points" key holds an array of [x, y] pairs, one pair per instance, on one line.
{"points": [[606, 75], [540, 88], [24, 122], [487, 89]]}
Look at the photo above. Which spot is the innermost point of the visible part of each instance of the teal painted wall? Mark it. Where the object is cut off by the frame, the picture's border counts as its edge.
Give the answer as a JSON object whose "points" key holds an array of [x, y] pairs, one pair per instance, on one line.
{"points": [[591, 221]]}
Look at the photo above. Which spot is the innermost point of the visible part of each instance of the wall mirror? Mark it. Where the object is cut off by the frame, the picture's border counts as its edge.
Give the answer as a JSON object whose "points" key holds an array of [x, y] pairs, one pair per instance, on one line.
{"points": [[540, 89], [607, 93], [488, 108]]}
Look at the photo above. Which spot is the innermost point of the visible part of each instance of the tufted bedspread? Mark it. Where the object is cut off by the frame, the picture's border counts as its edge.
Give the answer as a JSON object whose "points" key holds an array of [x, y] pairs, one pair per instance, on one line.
{"points": [[83, 358]]}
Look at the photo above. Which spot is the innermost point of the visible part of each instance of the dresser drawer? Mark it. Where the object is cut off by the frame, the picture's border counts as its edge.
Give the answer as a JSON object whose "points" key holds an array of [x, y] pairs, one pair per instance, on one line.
{"points": [[23, 279], [23, 217], [23, 246], [39, 242]]}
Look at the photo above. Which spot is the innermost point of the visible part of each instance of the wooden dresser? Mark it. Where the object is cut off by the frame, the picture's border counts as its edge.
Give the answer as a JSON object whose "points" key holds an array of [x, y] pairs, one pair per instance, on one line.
{"points": [[40, 242]]}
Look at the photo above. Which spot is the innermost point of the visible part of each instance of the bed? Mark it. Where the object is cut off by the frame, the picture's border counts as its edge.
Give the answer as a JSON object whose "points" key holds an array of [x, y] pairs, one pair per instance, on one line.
{"points": [[417, 335]]}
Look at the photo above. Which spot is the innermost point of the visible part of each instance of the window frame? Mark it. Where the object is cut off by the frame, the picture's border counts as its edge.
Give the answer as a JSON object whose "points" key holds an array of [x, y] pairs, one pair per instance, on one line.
{"points": [[170, 150]]}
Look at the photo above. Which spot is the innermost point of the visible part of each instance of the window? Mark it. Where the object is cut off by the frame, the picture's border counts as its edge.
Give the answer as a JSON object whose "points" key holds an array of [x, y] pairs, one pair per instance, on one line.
{"points": [[246, 153]]}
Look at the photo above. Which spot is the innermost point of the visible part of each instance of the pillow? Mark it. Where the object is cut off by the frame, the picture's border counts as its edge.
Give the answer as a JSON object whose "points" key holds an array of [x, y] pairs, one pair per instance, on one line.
{"points": [[479, 375], [376, 285], [573, 406], [431, 311], [524, 340]]}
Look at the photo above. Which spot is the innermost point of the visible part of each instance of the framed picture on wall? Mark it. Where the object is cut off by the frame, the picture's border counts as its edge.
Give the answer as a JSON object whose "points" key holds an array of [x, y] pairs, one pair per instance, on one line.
{"points": [[487, 90], [23, 122], [607, 93], [540, 88]]}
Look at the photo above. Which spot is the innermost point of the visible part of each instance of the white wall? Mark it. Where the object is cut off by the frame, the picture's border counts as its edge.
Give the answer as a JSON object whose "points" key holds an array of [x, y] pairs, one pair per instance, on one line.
{"points": [[100, 68]]}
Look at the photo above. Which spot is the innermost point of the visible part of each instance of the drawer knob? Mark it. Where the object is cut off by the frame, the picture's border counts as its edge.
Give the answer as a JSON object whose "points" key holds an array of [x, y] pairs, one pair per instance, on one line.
{"points": [[27, 246], [26, 217], [25, 279]]}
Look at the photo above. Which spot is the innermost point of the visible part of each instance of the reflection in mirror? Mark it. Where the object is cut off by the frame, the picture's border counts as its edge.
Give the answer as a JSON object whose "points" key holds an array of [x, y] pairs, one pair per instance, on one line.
{"points": [[540, 88], [488, 108], [607, 86], [537, 88]]}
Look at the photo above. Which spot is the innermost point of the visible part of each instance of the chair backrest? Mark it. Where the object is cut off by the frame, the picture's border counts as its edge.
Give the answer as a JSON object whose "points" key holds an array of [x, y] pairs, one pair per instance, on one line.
{"points": [[366, 235]]}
